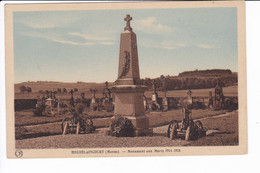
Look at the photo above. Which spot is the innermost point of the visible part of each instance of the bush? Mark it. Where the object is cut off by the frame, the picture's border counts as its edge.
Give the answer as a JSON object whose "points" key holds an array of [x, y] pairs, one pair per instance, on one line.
{"points": [[121, 127], [89, 126], [39, 110]]}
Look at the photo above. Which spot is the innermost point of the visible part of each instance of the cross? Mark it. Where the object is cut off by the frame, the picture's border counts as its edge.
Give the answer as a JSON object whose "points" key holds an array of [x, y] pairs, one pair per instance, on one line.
{"points": [[127, 19], [106, 84]]}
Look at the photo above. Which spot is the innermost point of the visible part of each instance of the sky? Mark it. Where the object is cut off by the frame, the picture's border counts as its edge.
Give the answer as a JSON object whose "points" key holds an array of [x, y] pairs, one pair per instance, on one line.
{"points": [[71, 46]]}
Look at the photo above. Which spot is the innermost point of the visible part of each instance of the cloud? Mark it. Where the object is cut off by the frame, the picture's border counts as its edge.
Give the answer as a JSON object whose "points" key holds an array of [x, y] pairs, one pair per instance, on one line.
{"points": [[151, 25], [62, 41], [107, 43], [169, 45], [89, 37], [205, 46], [65, 41], [70, 42]]}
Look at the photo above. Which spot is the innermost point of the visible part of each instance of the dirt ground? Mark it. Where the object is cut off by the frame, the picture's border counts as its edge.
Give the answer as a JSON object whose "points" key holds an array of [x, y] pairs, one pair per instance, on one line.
{"points": [[221, 130]]}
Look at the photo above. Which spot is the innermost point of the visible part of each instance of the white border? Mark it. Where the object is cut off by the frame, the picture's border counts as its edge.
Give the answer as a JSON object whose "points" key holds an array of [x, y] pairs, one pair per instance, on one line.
{"points": [[243, 163]]}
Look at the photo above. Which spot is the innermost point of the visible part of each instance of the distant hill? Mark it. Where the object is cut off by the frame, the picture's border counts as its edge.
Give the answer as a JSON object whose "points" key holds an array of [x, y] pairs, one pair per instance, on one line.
{"points": [[197, 79], [53, 86], [206, 73]]}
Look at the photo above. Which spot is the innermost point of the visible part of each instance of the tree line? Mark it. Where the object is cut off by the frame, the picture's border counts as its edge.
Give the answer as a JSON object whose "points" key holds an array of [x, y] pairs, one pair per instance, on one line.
{"points": [[180, 83]]}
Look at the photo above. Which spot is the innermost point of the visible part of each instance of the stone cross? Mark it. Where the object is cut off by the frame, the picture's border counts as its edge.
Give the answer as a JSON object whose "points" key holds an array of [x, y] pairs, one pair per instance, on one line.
{"points": [[127, 19]]}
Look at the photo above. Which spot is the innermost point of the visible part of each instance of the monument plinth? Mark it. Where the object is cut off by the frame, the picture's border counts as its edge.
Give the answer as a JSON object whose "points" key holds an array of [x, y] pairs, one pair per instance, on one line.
{"points": [[128, 93]]}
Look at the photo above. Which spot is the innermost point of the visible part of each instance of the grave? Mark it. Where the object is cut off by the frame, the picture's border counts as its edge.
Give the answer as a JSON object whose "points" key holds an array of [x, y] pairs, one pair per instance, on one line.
{"points": [[155, 105]]}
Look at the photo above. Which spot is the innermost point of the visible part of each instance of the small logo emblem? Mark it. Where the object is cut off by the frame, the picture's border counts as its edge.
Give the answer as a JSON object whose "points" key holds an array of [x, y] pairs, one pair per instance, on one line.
{"points": [[18, 153]]}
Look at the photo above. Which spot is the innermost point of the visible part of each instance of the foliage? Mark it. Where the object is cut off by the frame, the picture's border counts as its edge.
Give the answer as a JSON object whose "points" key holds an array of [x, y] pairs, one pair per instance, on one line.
{"points": [[22, 89], [88, 125], [29, 89], [39, 110], [64, 90], [59, 90], [121, 127], [191, 82]]}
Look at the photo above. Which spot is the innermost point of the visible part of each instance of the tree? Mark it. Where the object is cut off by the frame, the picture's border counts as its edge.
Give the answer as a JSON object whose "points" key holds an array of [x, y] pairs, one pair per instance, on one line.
{"points": [[29, 90], [22, 89], [64, 91], [82, 95], [59, 91]]}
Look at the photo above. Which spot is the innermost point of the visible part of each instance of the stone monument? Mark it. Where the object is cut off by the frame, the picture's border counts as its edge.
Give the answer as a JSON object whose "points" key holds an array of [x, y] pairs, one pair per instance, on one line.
{"points": [[155, 105], [165, 100], [128, 93]]}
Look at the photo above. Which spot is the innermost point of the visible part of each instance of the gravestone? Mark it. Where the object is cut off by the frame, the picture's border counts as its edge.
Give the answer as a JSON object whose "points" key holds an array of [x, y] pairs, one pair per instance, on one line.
{"points": [[189, 99], [107, 92], [165, 100], [210, 105], [128, 93], [219, 98], [155, 105], [93, 103], [49, 107]]}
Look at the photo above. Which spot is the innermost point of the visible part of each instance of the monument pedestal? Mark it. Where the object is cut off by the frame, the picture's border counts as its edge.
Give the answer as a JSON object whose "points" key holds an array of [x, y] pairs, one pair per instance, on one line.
{"points": [[130, 104]]}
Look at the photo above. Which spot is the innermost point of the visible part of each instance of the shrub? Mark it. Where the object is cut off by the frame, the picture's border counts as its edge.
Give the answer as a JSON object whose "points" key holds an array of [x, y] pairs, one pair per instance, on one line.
{"points": [[89, 126], [39, 110], [121, 127]]}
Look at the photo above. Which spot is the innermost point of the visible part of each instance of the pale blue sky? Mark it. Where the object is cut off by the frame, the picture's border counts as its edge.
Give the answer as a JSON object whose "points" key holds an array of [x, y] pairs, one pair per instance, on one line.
{"points": [[72, 46]]}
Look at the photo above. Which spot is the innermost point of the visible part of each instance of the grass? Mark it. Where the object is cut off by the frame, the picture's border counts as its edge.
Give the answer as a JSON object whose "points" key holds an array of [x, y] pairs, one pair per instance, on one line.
{"points": [[38, 127], [162, 118], [26, 117], [227, 135]]}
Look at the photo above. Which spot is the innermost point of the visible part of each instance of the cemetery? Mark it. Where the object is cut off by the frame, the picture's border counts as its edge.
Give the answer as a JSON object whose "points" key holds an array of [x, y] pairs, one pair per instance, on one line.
{"points": [[126, 114]]}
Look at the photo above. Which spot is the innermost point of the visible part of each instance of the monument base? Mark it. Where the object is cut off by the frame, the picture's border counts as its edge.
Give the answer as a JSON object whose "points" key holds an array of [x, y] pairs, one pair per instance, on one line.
{"points": [[141, 125], [143, 132], [129, 103]]}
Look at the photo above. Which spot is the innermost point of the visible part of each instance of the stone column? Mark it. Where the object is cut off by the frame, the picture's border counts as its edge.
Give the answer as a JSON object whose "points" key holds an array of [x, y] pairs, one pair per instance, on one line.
{"points": [[128, 93]]}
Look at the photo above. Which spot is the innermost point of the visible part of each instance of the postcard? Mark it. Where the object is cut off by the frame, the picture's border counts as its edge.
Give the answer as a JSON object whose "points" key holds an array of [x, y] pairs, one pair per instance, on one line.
{"points": [[125, 79]]}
